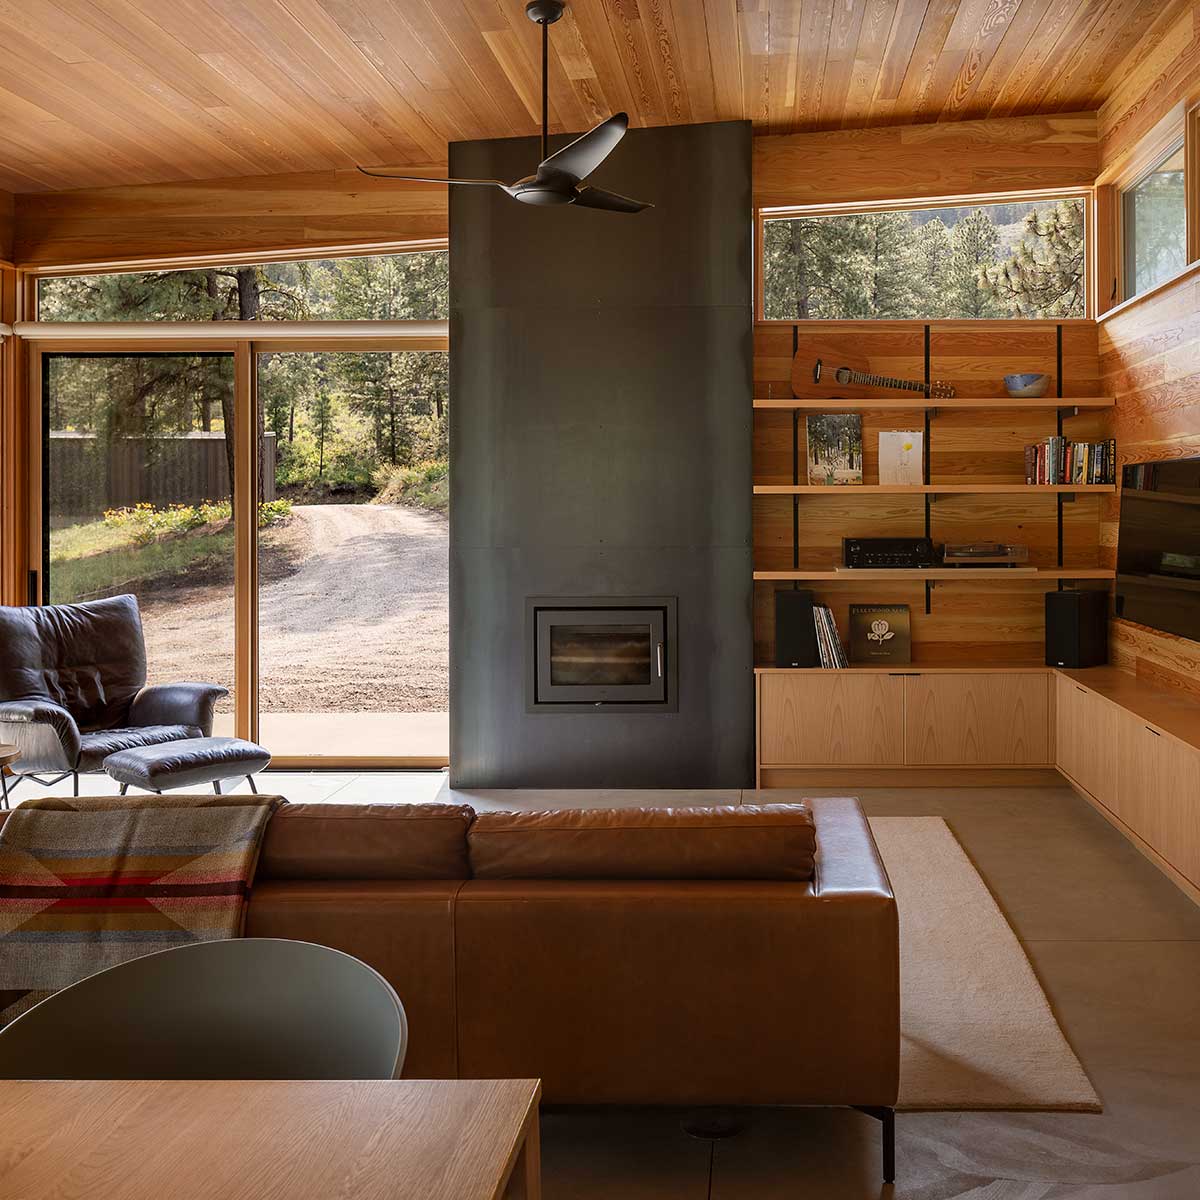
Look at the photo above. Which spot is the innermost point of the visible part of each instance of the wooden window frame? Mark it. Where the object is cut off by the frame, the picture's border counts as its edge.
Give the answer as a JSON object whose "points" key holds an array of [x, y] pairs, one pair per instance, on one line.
{"points": [[1181, 122], [842, 208], [241, 340]]}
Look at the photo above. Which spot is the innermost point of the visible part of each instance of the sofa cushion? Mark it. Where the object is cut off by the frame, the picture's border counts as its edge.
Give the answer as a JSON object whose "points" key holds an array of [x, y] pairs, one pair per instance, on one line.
{"points": [[367, 841], [770, 841]]}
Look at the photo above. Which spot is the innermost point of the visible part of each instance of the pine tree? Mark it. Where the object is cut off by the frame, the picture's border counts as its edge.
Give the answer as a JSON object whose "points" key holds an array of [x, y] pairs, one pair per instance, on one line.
{"points": [[974, 244], [933, 248], [1044, 277]]}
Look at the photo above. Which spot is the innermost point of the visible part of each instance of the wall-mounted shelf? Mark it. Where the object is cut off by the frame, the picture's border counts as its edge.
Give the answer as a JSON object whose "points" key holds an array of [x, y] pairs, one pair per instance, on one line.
{"points": [[928, 489], [1006, 574], [919, 402], [1030, 667]]}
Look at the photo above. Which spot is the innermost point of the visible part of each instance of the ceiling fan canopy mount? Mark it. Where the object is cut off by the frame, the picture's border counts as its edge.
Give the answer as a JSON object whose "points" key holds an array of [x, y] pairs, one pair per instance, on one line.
{"points": [[560, 176]]}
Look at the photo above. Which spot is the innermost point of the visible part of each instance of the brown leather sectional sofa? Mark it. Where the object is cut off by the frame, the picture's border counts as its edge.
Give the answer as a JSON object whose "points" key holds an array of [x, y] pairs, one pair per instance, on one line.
{"points": [[685, 957]]}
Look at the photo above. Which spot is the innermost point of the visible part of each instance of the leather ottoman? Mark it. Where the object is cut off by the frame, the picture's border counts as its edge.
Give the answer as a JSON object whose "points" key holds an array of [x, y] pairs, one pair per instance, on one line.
{"points": [[186, 763]]}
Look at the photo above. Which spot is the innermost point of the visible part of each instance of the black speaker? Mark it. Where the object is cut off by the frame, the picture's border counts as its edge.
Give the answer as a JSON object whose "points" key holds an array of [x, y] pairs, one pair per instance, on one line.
{"points": [[1076, 628], [795, 633]]}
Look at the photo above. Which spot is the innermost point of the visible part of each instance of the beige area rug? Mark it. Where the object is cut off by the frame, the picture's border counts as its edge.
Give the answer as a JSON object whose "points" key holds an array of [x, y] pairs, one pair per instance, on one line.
{"points": [[977, 1032]]}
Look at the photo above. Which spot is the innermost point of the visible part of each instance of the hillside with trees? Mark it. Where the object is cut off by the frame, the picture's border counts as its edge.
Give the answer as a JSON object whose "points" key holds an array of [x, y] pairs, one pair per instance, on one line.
{"points": [[1001, 260]]}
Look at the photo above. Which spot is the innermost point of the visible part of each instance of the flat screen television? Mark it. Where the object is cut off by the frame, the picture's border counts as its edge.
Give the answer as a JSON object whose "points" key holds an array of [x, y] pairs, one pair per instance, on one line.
{"points": [[1158, 547]]}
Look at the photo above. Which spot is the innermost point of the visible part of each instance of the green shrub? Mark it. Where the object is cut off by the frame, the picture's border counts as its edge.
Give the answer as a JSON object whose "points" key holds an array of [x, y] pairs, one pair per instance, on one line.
{"points": [[426, 485], [144, 523]]}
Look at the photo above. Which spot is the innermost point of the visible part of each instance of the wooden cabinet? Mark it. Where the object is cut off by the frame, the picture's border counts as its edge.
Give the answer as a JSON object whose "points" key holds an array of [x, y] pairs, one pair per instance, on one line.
{"points": [[986, 719], [832, 719], [1086, 740], [1158, 789]]}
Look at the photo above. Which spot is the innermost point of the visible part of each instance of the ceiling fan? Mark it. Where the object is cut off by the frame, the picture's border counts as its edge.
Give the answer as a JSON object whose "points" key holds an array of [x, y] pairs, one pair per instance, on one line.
{"points": [[559, 177]]}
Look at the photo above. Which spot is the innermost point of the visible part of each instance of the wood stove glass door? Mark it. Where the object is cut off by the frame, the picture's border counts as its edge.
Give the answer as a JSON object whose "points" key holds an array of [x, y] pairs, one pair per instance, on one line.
{"points": [[601, 655]]}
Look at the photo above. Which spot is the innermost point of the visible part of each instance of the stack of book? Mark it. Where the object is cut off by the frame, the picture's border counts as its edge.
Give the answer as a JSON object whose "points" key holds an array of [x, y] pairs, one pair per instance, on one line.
{"points": [[829, 644], [1058, 460]]}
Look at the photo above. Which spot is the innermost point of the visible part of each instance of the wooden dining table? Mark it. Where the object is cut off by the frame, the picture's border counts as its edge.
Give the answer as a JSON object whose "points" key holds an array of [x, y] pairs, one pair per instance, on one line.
{"points": [[273, 1140]]}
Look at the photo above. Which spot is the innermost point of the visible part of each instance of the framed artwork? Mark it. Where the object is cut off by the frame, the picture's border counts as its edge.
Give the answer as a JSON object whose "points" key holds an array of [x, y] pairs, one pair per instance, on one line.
{"points": [[902, 456], [880, 634], [835, 449]]}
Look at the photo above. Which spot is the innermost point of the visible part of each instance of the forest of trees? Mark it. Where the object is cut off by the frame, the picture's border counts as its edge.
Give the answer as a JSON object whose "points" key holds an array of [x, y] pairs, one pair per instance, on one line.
{"points": [[1001, 260], [341, 419]]}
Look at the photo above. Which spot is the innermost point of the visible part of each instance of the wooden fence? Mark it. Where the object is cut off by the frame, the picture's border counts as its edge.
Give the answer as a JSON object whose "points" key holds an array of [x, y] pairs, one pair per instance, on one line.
{"points": [[88, 474]]}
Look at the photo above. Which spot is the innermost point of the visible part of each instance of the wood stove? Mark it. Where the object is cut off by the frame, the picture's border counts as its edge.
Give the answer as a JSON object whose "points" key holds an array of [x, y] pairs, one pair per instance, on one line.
{"points": [[601, 652]]}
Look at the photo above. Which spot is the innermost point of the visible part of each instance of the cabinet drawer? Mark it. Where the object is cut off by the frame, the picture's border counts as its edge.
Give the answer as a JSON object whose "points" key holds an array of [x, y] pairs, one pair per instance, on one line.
{"points": [[831, 719], [1159, 793], [1086, 741], [977, 720]]}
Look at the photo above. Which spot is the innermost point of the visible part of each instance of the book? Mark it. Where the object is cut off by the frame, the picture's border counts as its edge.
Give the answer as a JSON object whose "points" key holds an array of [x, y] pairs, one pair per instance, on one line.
{"points": [[835, 448], [1060, 460], [902, 456], [880, 633]]}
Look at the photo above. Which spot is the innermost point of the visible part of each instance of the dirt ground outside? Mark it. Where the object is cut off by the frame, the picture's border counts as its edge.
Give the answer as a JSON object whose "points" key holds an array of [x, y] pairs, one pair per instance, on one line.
{"points": [[353, 612]]}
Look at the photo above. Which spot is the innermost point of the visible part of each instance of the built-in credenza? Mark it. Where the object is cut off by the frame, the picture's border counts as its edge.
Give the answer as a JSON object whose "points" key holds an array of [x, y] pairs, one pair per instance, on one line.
{"points": [[1131, 748]]}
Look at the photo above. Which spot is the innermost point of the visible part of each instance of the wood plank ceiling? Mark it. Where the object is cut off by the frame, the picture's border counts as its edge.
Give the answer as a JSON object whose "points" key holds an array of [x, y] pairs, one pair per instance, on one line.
{"points": [[106, 92]]}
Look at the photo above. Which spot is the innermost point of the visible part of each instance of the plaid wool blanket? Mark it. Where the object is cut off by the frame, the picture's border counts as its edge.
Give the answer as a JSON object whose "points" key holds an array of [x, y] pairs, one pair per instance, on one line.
{"points": [[89, 883]]}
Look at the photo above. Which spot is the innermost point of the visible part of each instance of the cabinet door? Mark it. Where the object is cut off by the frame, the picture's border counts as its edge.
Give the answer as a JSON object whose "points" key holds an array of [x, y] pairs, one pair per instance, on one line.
{"points": [[1086, 740], [977, 720], [832, 719], [1159, 793]]}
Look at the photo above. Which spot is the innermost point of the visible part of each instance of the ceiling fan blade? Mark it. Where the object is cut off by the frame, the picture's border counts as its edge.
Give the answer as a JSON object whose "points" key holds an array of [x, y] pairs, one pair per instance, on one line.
{"points": [[428, 179], [588, 151], [593, 197]]}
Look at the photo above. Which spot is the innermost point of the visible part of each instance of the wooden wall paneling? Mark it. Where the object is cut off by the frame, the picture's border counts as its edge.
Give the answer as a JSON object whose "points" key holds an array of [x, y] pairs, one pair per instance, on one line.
{"points": [[908, 162], [1159, 71], [992, 620], [8, 225], [243, 215], [1150, 360], [975, 357]]}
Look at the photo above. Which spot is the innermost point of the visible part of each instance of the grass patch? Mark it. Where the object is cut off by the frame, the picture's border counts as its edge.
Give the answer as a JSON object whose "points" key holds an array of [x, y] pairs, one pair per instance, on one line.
{"points": [[132, 547], [425, 486]]}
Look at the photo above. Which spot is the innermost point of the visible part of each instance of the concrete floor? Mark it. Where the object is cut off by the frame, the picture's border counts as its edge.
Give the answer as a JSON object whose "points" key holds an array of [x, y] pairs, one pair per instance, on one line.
{"points": [[1117, 949]]}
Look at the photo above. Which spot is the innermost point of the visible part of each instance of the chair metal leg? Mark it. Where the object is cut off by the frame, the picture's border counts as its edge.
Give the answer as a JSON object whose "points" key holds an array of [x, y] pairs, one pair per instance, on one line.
{"points": [[75, 782], [217, 786], [250, 781], [124, 788], [4, 784], [887, 1118]]}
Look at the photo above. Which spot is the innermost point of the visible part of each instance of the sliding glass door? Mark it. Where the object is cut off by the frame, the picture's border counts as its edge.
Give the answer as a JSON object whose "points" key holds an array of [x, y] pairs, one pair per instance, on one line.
{"points": [[137, 463], [353, 610]]}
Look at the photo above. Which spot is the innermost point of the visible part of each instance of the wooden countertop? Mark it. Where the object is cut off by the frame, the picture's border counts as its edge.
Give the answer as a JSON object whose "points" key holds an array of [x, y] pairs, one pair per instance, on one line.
{"points": [[1168, 711]]}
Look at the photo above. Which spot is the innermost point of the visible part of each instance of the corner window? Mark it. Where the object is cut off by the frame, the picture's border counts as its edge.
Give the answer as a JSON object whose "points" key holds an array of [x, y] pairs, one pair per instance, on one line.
{"points": [[986, 259], [1154, 225]]}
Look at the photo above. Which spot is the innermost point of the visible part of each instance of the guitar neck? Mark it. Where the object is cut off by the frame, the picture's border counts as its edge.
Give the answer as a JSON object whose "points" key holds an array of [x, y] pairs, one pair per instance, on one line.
{"points": [[886, 381]]}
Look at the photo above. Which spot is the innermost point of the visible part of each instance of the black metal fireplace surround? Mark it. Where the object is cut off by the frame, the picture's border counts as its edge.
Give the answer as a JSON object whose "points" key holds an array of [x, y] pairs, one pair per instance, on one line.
{"points": [[601, 435]]}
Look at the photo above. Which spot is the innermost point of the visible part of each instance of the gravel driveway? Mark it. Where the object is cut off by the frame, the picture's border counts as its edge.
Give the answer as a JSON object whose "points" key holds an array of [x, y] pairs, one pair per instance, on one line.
{"points": [[361, 626]]}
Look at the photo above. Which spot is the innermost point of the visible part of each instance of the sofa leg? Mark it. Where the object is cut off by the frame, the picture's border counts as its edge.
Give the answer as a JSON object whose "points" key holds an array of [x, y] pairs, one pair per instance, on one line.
{"points": [[124, 788], [4, 784], [75, 783], [217, 786], [250, 781], [887, 1118]]}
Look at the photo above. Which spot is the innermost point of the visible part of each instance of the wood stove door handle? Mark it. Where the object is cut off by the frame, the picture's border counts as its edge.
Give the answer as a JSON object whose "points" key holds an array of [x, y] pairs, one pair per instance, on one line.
{"points": [[659, 658]]}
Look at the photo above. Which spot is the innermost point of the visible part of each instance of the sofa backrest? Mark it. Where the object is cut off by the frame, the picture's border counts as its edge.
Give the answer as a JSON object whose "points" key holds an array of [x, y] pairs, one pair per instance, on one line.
{"points": [[89, 658], [367, 841], [776, 841]]}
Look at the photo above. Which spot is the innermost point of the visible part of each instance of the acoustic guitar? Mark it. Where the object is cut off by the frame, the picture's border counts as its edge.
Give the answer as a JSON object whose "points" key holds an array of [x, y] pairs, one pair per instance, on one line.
{"points": [[813, 376]]}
